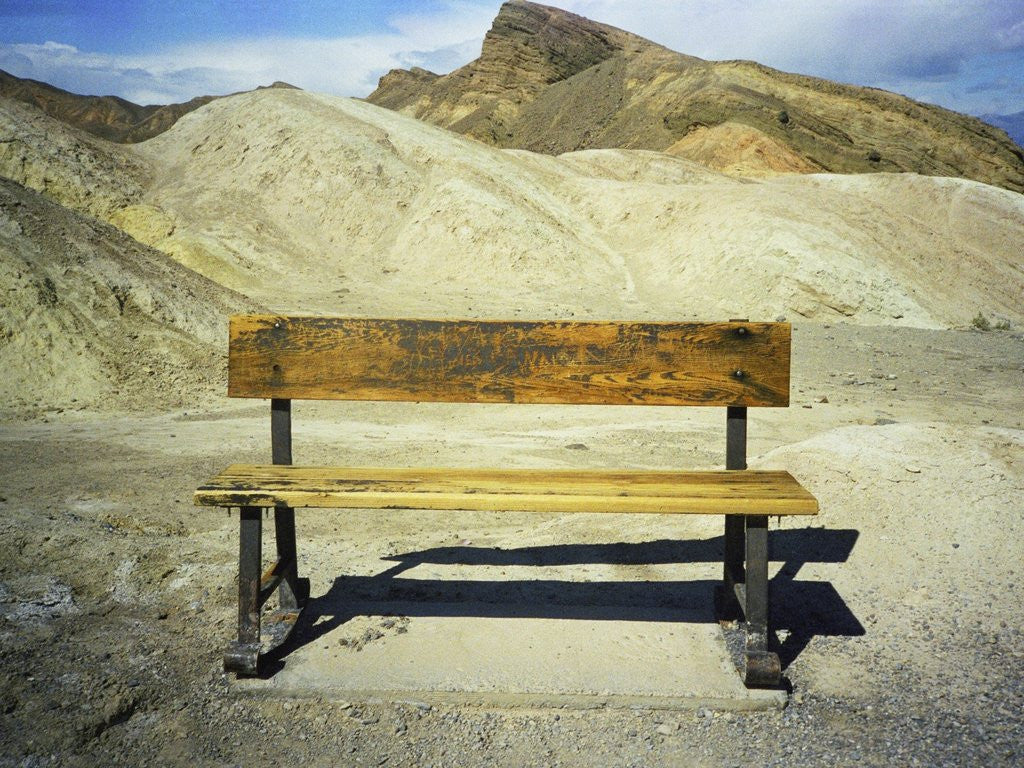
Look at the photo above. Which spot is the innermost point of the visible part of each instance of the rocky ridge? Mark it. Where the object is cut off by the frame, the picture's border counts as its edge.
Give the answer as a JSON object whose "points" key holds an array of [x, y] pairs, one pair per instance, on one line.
{"points": [[108, 117], [553, 82]]}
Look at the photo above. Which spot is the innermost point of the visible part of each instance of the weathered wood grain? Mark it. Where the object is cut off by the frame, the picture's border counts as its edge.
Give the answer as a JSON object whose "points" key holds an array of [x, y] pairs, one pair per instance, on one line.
{"points": [[735, 363], [528, 490]]}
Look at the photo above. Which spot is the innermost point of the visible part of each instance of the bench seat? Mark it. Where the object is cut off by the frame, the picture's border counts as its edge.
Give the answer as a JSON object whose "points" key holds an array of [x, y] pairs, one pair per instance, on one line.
{"points": [[749, 492]]}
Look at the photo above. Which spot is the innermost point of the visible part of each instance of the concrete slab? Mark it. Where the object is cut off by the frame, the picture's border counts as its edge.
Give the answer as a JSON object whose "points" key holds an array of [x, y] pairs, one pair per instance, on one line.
{"points": [[507, 655]]}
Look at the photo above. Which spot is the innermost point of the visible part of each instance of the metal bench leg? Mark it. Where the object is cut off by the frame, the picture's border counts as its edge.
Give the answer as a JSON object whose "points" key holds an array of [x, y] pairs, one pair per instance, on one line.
{"points": [[255, 589], [242, 656], [727, 604], [293, 591], [761, 666]]}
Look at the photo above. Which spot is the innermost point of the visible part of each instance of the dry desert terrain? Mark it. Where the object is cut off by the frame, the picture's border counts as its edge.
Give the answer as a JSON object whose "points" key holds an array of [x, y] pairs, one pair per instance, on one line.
{"points": [[900, 604]]}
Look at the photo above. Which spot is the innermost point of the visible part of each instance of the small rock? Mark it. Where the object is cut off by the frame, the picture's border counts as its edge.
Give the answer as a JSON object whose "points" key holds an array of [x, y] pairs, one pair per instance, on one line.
{"points": [[665, 730], [577, 447], [913, 470]]}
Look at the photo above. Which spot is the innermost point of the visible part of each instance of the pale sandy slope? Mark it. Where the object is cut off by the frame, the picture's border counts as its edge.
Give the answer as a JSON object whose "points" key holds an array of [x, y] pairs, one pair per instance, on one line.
{"points": [[90, 317], [310, 202], [305, 202]]}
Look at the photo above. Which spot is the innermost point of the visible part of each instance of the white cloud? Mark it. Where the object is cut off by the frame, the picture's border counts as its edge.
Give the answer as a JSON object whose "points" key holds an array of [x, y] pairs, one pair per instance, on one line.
{"points": [[348, 65], [852, 40], [927, 49]]}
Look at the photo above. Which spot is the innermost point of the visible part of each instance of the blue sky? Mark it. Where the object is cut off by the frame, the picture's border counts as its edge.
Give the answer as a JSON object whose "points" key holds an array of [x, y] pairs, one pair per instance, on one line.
{"points": [[967, 55]]}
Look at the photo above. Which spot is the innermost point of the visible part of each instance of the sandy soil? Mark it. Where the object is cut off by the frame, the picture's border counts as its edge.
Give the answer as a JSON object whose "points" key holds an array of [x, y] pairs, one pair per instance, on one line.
{"points": [[116, 594]]}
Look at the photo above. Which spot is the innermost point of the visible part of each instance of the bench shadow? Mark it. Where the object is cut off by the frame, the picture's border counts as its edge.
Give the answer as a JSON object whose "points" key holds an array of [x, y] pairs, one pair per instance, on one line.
{"points": [[800, 610]]}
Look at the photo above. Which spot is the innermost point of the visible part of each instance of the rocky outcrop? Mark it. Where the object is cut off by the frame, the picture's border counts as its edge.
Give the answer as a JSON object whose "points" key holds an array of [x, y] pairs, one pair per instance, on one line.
{"points": [[528, 49], [554, 82]]}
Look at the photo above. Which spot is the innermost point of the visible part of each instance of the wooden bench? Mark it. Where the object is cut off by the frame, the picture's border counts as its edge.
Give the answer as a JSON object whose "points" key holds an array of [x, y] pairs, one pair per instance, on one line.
{"points": [[737, 365]]}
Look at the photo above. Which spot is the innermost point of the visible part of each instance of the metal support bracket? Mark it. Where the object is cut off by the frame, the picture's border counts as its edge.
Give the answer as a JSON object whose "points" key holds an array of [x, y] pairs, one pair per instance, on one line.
{"points": [[242, 655], [258, 637], [744, 589]]}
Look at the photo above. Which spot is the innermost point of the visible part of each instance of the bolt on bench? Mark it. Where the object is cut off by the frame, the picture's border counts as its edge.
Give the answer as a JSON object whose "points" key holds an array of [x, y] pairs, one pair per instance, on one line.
{"points": [[737, 365]]}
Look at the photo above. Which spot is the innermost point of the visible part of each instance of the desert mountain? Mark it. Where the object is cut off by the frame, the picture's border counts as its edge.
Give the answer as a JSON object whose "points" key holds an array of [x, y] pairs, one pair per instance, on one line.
{"points": [[553, 82], [319, 203], [108, 117], [312, 203]]}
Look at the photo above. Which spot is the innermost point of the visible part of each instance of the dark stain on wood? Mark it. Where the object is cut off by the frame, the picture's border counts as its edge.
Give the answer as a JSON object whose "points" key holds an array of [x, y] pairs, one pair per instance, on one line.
{"points": [[620, 363]]}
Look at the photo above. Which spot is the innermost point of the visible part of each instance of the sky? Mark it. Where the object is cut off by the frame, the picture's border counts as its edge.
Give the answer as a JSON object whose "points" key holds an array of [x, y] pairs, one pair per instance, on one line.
{"points": [[966, 55]]}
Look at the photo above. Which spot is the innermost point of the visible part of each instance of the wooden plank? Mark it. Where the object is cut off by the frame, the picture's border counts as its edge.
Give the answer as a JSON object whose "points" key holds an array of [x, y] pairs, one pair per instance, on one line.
{"points": [[748, 492], [735, 363]]}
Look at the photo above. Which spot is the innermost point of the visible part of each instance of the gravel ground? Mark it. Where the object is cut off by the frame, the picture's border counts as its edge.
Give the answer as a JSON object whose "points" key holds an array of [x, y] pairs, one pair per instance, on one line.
{"points": [[141, 702], [116, 595]]}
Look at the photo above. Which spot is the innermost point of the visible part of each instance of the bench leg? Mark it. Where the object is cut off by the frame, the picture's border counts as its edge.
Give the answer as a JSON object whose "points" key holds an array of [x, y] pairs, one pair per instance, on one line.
{"points": [[242, 656], [293, 591], [761, 666], [735, 549], [728, 599]]}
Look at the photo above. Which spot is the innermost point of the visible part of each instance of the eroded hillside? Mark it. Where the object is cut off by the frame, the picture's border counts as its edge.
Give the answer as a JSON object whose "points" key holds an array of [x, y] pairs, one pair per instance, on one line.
{"points": [[92, 317], [311, 203], [317, 202], [554, 82]]}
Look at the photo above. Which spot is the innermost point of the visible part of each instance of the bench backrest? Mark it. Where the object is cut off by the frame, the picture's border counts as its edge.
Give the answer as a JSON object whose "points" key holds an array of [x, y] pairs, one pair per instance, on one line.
{"points": [[613, 363]]}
